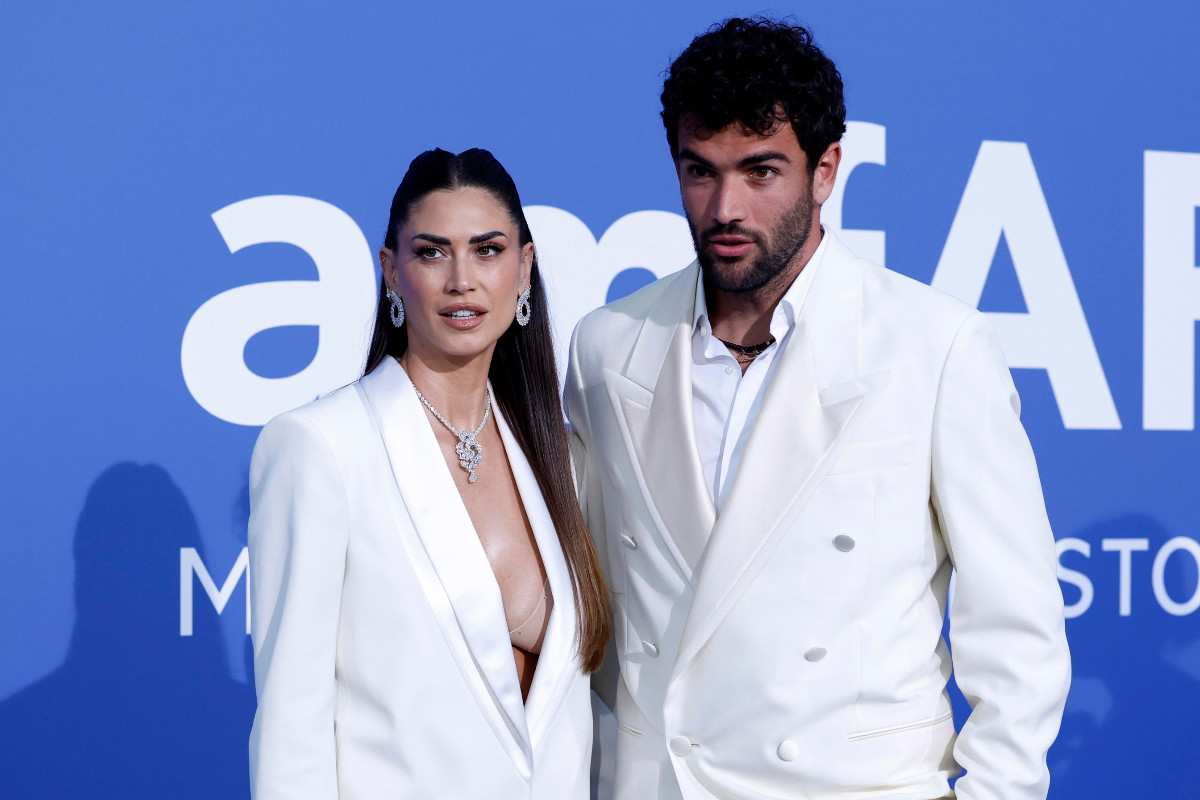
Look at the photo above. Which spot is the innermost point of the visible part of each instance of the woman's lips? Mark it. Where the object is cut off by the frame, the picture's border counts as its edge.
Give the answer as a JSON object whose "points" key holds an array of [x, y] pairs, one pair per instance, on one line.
{"points": [[463, 320]]}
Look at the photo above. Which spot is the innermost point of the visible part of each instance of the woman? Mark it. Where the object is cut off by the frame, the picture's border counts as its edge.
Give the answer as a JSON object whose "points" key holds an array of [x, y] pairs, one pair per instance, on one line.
{"points": [[426, 599]]}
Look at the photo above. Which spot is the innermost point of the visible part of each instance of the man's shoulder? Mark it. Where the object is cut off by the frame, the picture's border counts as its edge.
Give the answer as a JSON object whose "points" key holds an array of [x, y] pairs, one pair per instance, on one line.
{"points": [[909, 306], [619, 322]]}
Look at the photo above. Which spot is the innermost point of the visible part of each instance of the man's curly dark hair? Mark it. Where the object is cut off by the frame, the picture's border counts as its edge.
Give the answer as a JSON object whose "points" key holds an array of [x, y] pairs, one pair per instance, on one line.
{"points": [[756, 72]]}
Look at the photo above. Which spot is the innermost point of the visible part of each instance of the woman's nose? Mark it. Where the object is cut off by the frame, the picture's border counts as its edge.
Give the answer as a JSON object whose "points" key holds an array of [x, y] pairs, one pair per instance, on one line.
{"points": [[459, 279]]}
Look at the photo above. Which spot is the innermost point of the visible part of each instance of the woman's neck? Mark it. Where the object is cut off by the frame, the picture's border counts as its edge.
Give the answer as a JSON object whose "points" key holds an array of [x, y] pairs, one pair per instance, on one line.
{"points": [[455, 387]]}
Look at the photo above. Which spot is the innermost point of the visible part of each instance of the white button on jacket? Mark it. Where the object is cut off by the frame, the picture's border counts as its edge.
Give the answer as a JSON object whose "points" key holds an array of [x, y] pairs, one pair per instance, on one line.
{"points": [[788, 750]]}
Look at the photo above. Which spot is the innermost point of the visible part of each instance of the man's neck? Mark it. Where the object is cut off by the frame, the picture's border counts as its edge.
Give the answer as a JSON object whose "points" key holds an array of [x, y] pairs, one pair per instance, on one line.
{"points": [[745, 317]]}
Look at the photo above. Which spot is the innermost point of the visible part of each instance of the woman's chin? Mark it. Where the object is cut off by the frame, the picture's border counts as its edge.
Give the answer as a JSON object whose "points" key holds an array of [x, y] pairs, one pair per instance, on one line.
{"points": [[465, 345]]}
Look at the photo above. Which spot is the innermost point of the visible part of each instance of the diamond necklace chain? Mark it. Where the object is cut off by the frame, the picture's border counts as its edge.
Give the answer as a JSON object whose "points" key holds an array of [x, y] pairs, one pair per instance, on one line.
{"points": [[468, 449]]}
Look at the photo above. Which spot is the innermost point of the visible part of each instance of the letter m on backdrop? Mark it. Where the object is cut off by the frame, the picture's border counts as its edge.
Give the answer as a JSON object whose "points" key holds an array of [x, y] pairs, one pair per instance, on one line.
{"points": [[192, 568]]}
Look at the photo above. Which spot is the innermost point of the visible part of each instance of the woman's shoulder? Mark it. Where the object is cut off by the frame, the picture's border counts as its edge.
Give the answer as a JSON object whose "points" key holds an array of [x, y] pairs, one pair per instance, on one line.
{"points": [[328, 421]]}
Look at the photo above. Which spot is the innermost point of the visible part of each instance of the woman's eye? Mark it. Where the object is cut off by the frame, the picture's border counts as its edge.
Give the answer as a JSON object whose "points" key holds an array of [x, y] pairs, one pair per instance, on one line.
{"points": [[490, 250], [428, 252]]}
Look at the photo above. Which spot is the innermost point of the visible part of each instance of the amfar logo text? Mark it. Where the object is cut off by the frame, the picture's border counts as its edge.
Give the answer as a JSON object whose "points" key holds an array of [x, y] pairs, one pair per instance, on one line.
{"points": [[1002, 197]]}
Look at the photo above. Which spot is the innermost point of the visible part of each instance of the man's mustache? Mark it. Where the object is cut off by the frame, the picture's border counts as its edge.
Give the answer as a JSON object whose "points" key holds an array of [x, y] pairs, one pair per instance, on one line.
{"points": [[732, 229]]}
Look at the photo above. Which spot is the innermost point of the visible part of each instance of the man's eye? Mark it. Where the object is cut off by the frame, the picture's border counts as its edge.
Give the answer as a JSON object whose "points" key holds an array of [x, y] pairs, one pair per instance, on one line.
{"points": [[697, 171], [762, 172]]}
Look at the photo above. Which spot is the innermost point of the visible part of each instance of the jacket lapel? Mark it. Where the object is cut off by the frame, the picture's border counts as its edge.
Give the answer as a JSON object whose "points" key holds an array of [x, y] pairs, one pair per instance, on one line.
{"points": [[461, 587], [557, 661], [653, 401], [815, 392]]}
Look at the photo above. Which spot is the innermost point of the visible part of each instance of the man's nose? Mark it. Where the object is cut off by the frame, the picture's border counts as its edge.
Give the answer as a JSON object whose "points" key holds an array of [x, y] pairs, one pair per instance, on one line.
{"points": [[727, 205]]}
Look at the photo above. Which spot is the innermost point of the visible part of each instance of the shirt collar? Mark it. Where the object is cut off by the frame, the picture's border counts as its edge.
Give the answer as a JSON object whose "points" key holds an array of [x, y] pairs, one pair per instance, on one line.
{"points": [[789, 305]]}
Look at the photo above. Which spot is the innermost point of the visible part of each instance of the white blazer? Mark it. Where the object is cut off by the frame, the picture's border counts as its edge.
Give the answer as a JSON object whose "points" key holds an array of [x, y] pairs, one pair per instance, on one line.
{"points": [[382, 658], [796, 651]]}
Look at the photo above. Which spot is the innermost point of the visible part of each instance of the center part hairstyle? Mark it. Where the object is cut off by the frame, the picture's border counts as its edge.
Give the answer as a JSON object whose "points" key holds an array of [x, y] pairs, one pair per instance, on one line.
{"points": [[524, 380], [756, 73]]}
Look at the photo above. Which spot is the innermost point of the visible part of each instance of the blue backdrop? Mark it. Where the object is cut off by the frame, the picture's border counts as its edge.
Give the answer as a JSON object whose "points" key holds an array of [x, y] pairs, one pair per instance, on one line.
{"points": [[1042, 160]]}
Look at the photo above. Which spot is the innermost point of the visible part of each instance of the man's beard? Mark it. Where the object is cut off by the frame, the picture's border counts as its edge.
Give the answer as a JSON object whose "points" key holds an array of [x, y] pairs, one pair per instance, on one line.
{"points": [[787, 238]]}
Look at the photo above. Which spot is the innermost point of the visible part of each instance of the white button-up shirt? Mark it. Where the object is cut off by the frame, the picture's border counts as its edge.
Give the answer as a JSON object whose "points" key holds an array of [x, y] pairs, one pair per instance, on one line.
{"points": [[725, 402]]}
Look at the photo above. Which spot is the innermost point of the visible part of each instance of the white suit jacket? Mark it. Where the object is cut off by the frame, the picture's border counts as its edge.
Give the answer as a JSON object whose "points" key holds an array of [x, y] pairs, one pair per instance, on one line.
{"points": [[382, 658], [791, 646]]}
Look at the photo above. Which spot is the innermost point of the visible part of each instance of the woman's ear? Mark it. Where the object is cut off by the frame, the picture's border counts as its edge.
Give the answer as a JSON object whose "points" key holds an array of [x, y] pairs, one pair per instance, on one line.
{"points": [[388, 265], [527, 255]]}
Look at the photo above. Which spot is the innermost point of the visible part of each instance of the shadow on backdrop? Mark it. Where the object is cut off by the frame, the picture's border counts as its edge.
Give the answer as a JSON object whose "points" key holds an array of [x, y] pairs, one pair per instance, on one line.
{"points": [[1121, 668], [136, 710]]}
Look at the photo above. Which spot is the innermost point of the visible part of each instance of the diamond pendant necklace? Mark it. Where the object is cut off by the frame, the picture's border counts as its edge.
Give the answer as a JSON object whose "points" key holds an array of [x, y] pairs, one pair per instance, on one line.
{"points": [[470, 452]]}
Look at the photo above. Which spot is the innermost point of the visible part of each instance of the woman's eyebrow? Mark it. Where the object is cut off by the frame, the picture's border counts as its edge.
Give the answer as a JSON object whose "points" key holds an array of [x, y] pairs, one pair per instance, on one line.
{"points": [[429, 237], [482, 237]]}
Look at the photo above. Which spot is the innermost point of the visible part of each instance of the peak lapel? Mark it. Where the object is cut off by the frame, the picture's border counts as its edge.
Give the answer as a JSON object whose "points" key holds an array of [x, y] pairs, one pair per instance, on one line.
{"points": [[813, 395], [654, 405], [460, 586], [557, 661]]}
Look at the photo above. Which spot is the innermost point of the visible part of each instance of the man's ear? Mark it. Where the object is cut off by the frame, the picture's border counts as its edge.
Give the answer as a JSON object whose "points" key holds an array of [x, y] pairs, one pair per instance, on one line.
{"points": [[825, 174]]}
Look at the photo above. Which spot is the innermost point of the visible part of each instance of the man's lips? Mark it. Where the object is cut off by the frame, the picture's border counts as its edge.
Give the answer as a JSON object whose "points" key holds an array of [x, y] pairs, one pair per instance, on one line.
{"points": [[730, 246]]}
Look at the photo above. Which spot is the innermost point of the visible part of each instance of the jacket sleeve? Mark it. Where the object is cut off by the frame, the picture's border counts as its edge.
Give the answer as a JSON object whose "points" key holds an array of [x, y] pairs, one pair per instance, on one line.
{"points": [[591, 501], [591, 497], [1007, 627], [297, 542]]}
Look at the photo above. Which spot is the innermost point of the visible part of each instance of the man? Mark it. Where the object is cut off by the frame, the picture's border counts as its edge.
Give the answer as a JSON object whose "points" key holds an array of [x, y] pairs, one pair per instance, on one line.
{"points": [[783, 452]]}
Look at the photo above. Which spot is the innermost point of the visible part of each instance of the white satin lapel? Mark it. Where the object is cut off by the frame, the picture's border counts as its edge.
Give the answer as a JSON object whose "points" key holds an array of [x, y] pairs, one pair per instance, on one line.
{"points": [[808, 404], [557, 660], [632, 404], [670, 457], [465, 597], [654, 405]]}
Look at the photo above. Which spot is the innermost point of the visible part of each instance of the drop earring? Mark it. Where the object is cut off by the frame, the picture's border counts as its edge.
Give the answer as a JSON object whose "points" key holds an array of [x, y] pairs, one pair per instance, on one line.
{"points": [[397, 309], [524, 309]]}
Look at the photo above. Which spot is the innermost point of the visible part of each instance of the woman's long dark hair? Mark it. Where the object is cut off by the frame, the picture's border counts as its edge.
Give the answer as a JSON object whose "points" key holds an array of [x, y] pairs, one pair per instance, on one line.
{"points": [[524, 381]]}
